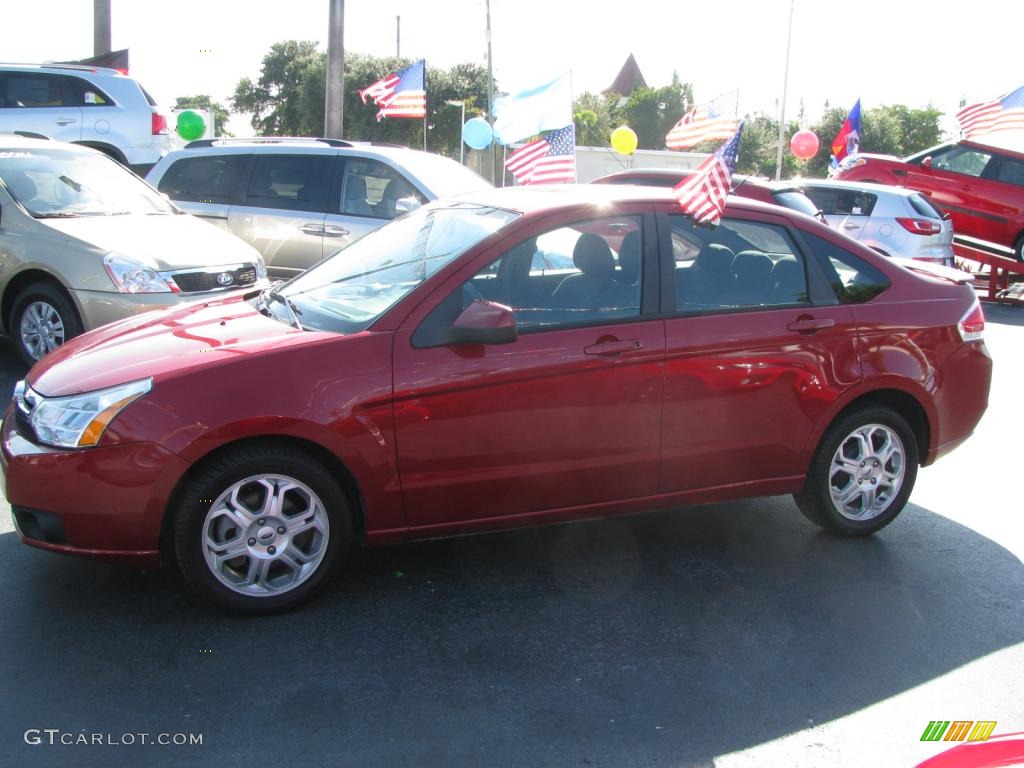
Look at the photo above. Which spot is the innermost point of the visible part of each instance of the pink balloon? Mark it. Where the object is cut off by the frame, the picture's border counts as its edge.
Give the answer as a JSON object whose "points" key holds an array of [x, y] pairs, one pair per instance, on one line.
{"points": [[804, 144]]}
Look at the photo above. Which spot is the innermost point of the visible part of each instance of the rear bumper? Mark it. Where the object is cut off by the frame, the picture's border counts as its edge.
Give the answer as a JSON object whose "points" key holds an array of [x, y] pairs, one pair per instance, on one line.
{"points": [[104, 503]]}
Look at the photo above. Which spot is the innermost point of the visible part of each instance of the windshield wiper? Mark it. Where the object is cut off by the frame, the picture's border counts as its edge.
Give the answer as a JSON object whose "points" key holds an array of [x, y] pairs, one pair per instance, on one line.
{"points": [[293, 311], [57, 215]]}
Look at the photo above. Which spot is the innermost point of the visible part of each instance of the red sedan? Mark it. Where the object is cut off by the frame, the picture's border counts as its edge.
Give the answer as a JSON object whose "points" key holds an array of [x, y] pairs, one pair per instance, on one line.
{"points": [[439, 376]]}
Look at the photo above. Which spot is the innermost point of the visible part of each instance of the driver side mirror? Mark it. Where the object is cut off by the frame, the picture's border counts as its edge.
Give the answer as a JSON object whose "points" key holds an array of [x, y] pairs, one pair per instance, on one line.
{"points": [[927, 162], [482, 322]]}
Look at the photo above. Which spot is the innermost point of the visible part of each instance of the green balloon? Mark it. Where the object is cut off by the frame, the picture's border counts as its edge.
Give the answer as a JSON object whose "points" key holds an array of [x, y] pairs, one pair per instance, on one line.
{"points": [[190, 125]]}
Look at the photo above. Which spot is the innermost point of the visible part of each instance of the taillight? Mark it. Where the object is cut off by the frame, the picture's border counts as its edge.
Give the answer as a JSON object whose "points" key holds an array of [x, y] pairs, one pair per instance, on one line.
{"points": [[972, 324], [159, 124], [920, 226]]}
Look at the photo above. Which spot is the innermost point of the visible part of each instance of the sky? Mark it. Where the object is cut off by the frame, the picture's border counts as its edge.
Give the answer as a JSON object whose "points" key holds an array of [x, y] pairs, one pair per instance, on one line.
{"points": [[883, 51]]}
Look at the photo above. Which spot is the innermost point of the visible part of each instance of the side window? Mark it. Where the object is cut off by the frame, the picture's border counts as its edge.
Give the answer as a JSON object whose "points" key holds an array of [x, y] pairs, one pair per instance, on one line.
{"points": [[31, 90], [1010, 171], [853, 279], [371, 188], [598, 277], [738, 265], [842, 202], [205, 179], [290, 182], [965, 160]]}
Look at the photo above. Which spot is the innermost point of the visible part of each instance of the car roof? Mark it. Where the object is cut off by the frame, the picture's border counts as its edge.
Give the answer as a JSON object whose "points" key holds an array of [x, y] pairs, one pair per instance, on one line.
{"points": [[64, 68], [16, 141], [878, 189], [676, 173], [291, 144], [528, 199]]}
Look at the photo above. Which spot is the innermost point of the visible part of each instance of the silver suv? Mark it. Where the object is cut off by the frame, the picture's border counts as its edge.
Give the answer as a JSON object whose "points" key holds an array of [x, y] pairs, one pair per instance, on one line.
{"points": [[94, 106], [300, 200], [895, 221]]}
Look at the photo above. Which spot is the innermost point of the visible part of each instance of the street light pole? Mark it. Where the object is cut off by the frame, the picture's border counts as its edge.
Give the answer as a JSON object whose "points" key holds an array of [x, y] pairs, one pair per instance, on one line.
{"points": [[334, 102], [490, 92], [100, 27], [785, 85]]}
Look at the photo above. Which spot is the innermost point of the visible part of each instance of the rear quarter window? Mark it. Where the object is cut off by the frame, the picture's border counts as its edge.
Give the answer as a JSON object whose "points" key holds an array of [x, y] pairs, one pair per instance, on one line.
{"points": [[206, 179], [920, 204], [853, 280], [842, 202]]}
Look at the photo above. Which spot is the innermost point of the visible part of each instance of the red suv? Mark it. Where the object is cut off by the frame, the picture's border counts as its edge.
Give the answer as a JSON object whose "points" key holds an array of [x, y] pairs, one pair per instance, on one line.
{"points": [[981, 187], [437, 378]]}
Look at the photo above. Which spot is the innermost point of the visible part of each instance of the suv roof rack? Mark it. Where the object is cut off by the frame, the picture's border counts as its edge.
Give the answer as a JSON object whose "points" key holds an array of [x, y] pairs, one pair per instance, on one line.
{"points": [[30, 135], [59, 65], [199, 143]]}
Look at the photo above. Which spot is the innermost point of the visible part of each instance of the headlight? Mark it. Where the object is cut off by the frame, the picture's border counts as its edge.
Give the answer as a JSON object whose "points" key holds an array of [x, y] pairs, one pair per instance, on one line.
{"points": [[78, 421], [132, 276]]}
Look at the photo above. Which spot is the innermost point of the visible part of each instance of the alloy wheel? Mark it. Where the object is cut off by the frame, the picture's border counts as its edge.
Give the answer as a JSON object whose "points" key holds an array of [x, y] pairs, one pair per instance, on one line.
{"points": [[867, 472], [42, 329]]}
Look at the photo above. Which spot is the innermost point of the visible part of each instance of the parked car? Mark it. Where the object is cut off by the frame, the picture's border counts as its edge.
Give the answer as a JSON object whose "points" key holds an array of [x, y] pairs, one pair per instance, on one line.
{"points": [[300, 200], [894, 221], [429, 381], [979, 186], [84, 241], [97, 107], [784, 193]]}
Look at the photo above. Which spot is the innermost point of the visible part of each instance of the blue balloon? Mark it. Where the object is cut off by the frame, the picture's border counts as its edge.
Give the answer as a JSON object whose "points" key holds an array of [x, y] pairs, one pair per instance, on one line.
{"points": [[477, 133]]}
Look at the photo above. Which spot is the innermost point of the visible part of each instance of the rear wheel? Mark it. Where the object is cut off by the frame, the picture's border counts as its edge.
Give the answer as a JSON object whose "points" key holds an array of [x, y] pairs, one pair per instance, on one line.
{"points": [[43, 318], [261, 528], [1018, 247], [862, 473]]}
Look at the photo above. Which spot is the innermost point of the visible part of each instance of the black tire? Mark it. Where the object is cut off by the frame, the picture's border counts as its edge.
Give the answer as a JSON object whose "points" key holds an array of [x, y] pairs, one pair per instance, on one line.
{"points": [[1018, 248], [815, 500], [211, 481], [41, 296]]}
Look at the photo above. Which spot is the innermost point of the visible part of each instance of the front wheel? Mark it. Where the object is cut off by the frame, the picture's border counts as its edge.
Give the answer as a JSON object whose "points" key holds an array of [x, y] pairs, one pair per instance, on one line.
{"points": [[862, 473], [1018, 248], [260, 529], [43, 318]]}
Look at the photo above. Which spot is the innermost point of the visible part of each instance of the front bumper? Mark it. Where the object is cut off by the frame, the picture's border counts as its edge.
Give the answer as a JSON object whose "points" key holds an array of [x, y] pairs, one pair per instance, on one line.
{"points": [[105, 502]]}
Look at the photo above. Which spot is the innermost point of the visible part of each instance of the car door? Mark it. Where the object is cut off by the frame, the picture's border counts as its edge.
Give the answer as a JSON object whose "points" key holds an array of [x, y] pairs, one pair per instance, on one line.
{"points": [[365, 199], [40, 103], [1001, 199], [755, 353], [950, 178], [566, 417], [284, 209]]}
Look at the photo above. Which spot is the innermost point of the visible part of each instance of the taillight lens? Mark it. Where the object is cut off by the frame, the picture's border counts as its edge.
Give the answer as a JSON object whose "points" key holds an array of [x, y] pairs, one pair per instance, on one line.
{"points": [[159, 124], [920, 226], [972, 324]]}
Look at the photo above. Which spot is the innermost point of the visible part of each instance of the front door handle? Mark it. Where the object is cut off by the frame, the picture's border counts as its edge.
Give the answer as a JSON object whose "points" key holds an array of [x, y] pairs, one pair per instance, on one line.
{"points": [[62, 121], [330, 230], [851, 225], [613, 347], [312, 229], [811, 324]]}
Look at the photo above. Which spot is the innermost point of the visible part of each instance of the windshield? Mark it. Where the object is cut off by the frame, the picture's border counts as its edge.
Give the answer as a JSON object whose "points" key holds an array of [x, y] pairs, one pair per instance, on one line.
{"points": [[349, 291], [52, 183], [443, 177]]}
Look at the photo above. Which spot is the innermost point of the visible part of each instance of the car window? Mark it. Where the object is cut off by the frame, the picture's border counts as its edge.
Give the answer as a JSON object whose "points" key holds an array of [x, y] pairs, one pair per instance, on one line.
{"points": [[206, 178], [371, 188], [853, 279], [35, 90], [290, 182], [738, 265], [1009, 170], [796, 201], [924, 207], [589, 272], [959, 159], [842, 202]]}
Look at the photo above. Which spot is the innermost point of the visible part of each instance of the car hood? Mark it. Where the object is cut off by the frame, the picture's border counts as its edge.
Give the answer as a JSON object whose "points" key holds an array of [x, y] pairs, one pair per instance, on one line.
{"points": [[164, 242], [163, 344]]}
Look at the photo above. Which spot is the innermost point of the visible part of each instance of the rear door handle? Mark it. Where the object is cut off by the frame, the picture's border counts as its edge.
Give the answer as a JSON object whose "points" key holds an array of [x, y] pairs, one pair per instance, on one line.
{"points": [[330, 230], [612, 348], [312, 229], [851, 225], [811, 324]]}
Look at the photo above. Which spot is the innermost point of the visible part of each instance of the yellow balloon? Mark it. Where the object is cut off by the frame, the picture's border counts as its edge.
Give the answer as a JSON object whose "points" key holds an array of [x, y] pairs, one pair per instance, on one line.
{"points": [[624, 140]]}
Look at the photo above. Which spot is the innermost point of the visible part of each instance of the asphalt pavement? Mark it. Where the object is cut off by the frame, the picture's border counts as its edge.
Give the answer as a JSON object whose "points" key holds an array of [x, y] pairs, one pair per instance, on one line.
{"points": [[723, 635]]}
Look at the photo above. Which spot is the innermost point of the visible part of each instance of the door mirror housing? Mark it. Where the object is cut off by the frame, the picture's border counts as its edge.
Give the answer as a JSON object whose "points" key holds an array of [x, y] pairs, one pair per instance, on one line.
{"points": [[927, 162], [482, 322]]}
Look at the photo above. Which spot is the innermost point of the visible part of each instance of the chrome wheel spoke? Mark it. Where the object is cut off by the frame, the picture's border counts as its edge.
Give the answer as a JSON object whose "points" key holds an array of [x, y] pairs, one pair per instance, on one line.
{"points": [[871, 462]]}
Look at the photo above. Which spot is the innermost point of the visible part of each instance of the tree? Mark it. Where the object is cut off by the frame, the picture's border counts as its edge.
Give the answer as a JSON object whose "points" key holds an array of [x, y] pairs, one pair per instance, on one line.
{"points": [[759, 148], [281, 101], [650, 112], [592, 115], [220, 112]]}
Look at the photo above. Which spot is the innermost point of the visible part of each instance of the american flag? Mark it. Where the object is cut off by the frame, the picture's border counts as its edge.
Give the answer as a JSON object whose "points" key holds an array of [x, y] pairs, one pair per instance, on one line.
{"points": [[706, 122], [401, 94], [703, 194], [1003, 114], [549, 159]]}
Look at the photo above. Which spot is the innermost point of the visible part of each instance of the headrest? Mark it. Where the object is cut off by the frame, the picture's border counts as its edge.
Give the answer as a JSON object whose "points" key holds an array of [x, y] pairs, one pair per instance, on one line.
{"points": [[593, 257]]}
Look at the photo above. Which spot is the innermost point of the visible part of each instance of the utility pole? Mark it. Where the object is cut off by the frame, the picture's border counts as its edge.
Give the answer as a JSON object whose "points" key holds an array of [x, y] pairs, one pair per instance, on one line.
{"points": [[398, 37], [785, 85], [335, 97], [100, 27], [490, 92]]}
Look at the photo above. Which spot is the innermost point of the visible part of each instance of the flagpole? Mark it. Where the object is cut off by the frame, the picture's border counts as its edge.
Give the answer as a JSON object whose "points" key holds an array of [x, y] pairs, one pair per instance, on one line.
{"points": [[490, 93], [575, 171], [785, 85], [424, 105]]}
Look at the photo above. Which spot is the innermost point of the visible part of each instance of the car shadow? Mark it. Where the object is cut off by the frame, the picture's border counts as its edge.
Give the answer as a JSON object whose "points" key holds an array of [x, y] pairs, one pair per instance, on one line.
{"points": [[1004, 314], [660, 639]]}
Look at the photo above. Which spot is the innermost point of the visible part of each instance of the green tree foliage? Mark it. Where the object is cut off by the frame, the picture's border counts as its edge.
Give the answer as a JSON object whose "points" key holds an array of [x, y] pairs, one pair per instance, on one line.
{"points": [[759, 148], [650, 112], [288, 99], [220, 112]]}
